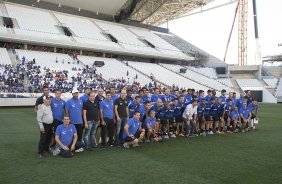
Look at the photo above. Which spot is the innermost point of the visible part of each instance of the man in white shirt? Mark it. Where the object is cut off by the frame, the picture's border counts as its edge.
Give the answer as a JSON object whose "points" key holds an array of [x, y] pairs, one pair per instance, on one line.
{"points": [[189, 116]]}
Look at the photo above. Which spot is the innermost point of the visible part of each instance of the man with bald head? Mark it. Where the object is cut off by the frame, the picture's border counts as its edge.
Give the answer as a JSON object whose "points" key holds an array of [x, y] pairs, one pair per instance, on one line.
{"points": [[121, 114]]}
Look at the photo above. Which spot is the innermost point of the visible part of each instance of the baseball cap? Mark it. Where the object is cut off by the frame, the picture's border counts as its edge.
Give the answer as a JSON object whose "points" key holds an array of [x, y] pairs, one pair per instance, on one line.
{"points": [[74, 91], [46, 97]]}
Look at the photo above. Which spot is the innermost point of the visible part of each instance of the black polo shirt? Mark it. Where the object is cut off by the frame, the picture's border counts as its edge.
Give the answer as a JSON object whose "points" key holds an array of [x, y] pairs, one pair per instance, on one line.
{"points": [[249, 99], [122, 106], [99, 99], [39, 100], [92, 110]]}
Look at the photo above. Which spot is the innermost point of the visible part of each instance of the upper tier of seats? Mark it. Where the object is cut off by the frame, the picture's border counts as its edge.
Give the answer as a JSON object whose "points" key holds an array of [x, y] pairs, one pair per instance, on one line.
{"points": [[248, 83], [4, 57], [166, 76], [44, 26]]}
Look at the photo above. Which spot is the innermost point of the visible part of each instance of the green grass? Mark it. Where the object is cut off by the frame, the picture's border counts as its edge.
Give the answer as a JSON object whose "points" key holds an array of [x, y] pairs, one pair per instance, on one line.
{"points": [[254, 157]]}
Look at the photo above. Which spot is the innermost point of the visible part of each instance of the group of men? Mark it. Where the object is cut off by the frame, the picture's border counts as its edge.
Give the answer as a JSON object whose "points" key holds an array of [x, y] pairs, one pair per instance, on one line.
{"points": [[126, 119]]}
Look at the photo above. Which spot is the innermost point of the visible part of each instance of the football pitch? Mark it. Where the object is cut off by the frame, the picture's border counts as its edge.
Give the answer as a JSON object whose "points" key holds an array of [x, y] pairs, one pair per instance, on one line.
{"points": [[252, 158]]}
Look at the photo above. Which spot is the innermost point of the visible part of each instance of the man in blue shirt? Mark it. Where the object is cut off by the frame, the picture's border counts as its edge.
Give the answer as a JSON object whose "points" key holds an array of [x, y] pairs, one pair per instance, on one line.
{"points": [[240, 101], [214, 114], [208, 119], [143, 109], [169, 115], [74, 111], [85, 97], [223, 97], [201, 96], [107, 117], [253, 107], [66, 138], [134, 106], [58, 110], [220, 113], [151, 127], [245, 115], [235, 119], [147, 96], [200, 116], [133, 133], [156, 96], [227, 111], [167, 96], [129, 97], [209, 95], [178, 116]]}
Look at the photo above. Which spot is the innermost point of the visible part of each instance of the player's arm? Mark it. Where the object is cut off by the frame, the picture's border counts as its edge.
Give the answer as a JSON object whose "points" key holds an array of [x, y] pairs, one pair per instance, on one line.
{"points": [[116, 112], [126, 130], [102, 117], [84, 118]]}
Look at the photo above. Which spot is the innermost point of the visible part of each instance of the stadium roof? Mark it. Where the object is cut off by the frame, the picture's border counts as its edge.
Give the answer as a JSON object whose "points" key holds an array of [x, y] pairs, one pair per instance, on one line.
{"points": [[152, 12], [108, 7]]}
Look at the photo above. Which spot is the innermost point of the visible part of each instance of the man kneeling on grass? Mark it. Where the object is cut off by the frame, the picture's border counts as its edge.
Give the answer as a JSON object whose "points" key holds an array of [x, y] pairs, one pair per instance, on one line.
{"points": [[133, 133], [66, 138]]}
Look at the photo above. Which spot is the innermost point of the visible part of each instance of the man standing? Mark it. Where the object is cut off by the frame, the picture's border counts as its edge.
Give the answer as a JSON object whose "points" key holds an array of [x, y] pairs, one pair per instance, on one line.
{"points": [[107, 119], [58, 109], [90, 117], [223, 97], [134, 106], [248, 97], [45, 122], [74, 111], [121, 114], [66, 138], [133, 133], [189, 117]]}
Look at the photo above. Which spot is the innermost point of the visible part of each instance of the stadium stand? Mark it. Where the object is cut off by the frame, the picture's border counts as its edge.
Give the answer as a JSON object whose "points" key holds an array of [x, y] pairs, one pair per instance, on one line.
{"points": [[278, 92], [4, 57], [272, 83], [209, 82], [206, 71], [248, 83], [164, 75], [226, 82]]}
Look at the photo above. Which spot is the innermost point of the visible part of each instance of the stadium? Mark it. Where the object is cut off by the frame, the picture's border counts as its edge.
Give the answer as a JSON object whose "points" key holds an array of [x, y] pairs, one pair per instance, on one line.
{"points": [[102, 91]]}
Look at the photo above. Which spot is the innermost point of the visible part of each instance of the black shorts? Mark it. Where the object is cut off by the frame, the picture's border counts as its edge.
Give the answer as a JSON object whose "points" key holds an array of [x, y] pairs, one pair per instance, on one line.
{"points": [[226, 117], [178, 119], [170, 120], [220, 116], [253, 116], [215, 118], [56, 123], [136, 136], [208, 118]]}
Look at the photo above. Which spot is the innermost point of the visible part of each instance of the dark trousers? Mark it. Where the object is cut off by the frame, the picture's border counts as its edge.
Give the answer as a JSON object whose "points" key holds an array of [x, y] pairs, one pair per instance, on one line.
{"points": [[69, 153], [45, 138], [110, 128], [79, 129]]}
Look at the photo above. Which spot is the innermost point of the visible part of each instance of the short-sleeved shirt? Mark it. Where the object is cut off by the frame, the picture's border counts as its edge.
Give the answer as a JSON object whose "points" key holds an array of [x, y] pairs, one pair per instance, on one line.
{"points": [[129, 100], [214, 108], [108, 108], [75, 110], [245, 112], [249, 99], [207, 109], [223, 99], [143, 111], [220, 109], [84, 98], [234, 116], [40, 100], [155, 98], [227, 108], [200, 110], [133, 126], [146, 98], [169, 112], [160, 110], [240, 102], [253, 107], [92, 110], [132, 108], [58, 107], [66, 134], [122, 105], [151, 122], [187, 99]]}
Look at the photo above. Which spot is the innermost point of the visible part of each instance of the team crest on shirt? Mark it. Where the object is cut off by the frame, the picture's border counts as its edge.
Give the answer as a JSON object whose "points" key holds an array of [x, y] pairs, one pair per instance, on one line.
{"points": [[73, 105], [71, 129], [64, 132]]}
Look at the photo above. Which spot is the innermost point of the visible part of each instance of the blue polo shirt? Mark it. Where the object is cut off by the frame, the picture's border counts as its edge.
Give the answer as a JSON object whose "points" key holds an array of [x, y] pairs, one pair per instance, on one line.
{"points": [[151, 122], [187, 99], [75, 110], [66, 134], [169, 112], [132, 108], [199, 99], [220, 109], [108, 108], [223, 99], [208, 98], [160, 110], [214, 108], [129, 100], [167, 98], [84, 98], [57, 107], [155, 98], [234, 115], [143, 111], [227, 108], [133, 126], [252, 107], [245, 112], [146, 98], [207, 109], [234, 102], [240, 102], [179, 109], [200, 110]]}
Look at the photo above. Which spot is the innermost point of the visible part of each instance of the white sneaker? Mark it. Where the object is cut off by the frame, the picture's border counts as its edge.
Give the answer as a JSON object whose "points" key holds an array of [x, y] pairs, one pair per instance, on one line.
{"points": [[79, 150], [56, 151], [210, 133], [172, 136], [148, 141], [126, 145]]}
